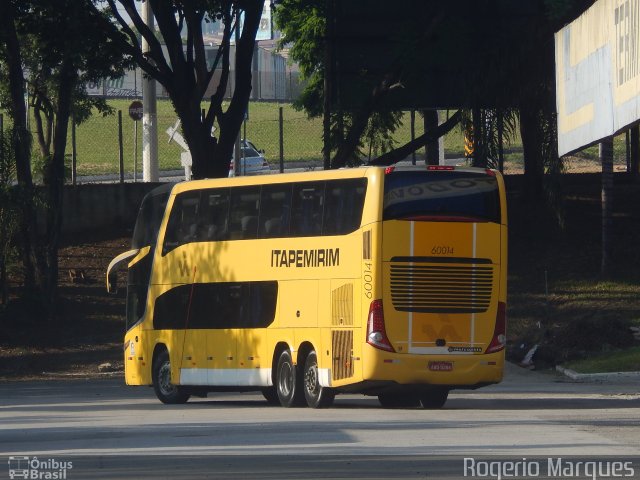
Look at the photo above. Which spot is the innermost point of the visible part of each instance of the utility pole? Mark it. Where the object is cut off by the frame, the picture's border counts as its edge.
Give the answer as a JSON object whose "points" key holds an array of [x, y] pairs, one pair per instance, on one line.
{"points": [[150, 117], [237, 150]]}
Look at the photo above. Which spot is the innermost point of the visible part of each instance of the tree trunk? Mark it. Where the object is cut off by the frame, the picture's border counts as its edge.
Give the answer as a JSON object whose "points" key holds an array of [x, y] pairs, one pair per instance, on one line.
{"points": [[21, 142], [55, 179], [234, 116], [635, 154], [433, 147], [531, 146], [480, 158], [606, 157]]}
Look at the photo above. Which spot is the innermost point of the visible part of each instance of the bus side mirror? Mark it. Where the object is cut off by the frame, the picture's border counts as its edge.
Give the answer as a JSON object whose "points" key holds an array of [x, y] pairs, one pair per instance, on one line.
{"points": [[116, 263], [112, 283]]}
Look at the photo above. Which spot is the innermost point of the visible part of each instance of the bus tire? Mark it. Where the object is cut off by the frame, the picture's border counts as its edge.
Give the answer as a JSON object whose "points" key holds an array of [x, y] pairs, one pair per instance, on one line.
{"points": [[270, 395], [396, 400], [434, 399], [288, 382], [315, 394], [161, 375]]}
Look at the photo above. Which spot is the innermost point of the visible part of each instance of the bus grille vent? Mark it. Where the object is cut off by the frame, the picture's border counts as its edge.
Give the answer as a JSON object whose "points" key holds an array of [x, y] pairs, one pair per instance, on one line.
{"points": [[342, 305], [342, 343], [441, 288]]}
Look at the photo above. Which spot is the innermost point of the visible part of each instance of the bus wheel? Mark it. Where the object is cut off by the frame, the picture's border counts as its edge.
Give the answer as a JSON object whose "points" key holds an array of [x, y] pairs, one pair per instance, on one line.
{"points": [[434, 399], [270, 395], [166, 391], [288, 382], [395, 400], [316, 395]]}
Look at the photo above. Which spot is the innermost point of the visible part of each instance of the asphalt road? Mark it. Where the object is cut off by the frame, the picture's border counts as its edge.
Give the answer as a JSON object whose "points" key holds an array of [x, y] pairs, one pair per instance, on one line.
{"points": [[108, 430]]}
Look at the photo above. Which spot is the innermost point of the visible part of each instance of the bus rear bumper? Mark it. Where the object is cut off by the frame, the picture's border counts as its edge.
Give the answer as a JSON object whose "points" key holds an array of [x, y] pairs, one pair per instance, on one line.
{"points": [[454, 371]]}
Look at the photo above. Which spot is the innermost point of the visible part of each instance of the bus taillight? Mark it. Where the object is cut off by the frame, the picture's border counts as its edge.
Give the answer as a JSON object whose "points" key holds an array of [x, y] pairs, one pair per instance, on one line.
{"points": [[499, 339], [376, 333]]}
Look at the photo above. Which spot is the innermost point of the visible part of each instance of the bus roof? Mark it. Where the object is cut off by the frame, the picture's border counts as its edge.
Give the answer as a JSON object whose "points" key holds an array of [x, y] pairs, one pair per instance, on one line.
{"points": [[309, 176]]}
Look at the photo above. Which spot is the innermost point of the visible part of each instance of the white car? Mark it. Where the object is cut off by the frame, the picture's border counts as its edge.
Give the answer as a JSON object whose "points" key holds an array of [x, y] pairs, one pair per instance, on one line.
{"points": [[252, 161]]}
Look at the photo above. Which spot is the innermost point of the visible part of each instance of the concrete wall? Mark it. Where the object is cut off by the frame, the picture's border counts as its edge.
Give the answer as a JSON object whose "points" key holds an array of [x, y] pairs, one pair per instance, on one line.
{"points": [[92, 208]]}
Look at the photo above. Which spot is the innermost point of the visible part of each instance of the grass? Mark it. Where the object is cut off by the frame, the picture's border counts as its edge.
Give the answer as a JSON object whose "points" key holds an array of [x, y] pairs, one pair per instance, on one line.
{"points": [[627, 360], [98, 150], [557, 295]]}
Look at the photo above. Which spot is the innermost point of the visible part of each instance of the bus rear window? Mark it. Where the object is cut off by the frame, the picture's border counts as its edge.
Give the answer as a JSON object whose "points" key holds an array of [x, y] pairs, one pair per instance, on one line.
{"points": [[446, 196]]}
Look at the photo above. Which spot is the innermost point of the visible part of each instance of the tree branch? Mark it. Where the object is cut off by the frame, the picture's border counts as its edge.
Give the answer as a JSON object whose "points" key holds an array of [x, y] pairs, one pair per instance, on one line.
{"points": [[398, 154], [155, 49], [168, 26], [133, 48]]}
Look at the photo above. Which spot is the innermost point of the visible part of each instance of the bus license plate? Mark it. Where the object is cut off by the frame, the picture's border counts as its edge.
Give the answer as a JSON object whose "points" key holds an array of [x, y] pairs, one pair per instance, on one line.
{"points": [[441, 366]]}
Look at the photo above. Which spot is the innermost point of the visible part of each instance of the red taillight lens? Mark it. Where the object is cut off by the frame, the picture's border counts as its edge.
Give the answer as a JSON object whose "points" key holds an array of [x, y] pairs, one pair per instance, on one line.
{"points": [[499, 339], [440, 168], [388, 170], [376, 333]]}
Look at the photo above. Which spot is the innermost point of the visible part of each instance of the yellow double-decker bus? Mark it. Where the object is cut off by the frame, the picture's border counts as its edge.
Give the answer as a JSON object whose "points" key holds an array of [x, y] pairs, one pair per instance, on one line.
{"points": [[381, 281]]}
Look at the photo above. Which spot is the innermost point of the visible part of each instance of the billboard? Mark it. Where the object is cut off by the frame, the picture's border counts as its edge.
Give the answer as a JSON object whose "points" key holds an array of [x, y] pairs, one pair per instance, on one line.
{"points": [[598, 74]]}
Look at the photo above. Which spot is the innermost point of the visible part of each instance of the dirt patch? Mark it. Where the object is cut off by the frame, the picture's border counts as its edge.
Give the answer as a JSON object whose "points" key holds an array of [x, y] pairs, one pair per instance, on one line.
{"points": [[88, 327]]}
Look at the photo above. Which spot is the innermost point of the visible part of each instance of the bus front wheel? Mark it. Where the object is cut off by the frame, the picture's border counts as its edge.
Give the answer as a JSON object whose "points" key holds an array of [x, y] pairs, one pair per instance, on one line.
{"points": [[271, 395], [288, 382], [166, 391], [316, 395]]}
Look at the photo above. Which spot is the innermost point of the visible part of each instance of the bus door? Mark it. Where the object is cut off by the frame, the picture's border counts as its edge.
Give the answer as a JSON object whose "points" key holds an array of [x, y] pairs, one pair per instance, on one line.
{"points": [[178, 275]]}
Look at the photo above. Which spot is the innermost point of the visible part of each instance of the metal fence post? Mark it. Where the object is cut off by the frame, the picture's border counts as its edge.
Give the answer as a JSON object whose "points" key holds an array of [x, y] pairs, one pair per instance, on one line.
{"points": [[74, 151], [413, 135], [280, 128], [120, 147]]}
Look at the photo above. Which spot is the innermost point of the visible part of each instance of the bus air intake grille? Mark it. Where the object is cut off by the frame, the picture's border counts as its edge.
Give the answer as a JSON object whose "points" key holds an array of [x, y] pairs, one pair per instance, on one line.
{"points": [[342, 346], [442, 287]]}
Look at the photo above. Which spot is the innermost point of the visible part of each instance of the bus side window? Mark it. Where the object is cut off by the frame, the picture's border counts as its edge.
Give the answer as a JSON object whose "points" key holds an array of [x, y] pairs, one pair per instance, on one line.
{"points": [[214, 217], [275, 205], [307, 209], [344, 204], [182, 227], [245, 206]]}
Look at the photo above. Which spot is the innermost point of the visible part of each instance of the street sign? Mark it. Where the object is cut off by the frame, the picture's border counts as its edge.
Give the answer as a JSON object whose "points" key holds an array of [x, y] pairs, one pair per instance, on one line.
{"points": [[135, 110]]}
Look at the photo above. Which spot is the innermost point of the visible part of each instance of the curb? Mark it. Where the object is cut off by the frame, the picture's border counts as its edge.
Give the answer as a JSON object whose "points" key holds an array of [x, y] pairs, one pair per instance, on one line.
{"points": [[599, 377]]}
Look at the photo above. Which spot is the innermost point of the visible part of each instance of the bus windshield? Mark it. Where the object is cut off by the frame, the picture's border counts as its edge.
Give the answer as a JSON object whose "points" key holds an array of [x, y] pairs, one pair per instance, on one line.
{"points": [[447, 196], [149, 217]]}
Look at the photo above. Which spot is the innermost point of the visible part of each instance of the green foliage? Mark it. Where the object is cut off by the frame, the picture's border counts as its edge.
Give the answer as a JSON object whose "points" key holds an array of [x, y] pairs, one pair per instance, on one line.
{"points": [[9, 210], [303, 25]]}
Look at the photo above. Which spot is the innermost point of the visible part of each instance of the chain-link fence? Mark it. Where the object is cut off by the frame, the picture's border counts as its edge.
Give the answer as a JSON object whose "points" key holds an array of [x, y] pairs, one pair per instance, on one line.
{"points": [[97, 143]]}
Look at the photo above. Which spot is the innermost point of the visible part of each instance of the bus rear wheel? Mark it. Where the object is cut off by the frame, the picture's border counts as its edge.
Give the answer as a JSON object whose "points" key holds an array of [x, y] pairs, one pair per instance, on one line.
{"points": [[397, 400], [315, 394], [166, 391], [434, 399], [288, 382]]}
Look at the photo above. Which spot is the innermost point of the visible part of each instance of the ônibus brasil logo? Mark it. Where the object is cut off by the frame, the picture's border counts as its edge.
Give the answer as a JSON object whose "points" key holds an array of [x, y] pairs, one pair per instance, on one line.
{"points": [[33, 468]]}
